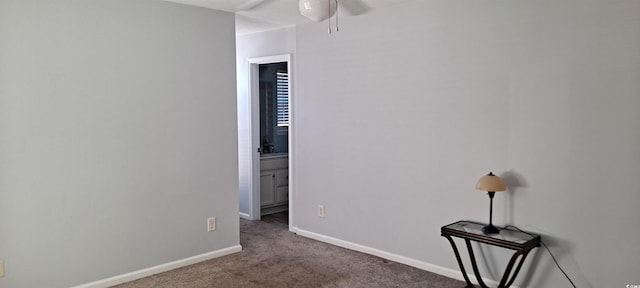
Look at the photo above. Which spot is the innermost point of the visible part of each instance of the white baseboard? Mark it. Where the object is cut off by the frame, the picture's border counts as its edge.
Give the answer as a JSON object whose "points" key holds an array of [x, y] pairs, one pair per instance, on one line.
{"points": [[245, 216], [119, 279], [451, 273]]}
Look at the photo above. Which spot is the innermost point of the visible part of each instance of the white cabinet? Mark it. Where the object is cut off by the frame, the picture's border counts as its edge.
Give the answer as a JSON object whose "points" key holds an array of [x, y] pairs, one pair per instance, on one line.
{"points": [[282, 186], [274, 185], [282, 195], [267, 188], [282, 177]]}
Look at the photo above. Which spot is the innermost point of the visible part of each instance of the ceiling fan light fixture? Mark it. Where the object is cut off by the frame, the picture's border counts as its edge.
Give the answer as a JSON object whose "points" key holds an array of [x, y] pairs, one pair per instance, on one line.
{"points": [[317, 10]]}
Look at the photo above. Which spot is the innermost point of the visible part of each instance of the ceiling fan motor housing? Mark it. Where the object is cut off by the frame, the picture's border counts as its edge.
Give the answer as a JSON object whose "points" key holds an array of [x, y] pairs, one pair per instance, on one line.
{"points": [[317, 10]]}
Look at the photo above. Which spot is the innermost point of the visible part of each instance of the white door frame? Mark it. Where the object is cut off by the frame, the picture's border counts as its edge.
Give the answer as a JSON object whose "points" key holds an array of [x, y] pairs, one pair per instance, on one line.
{"points": [[254, 138]]}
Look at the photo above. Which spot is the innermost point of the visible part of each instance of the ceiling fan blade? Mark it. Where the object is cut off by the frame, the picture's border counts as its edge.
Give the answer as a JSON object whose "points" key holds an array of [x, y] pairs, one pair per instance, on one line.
{"points": [[354, 7], [249, 4]]}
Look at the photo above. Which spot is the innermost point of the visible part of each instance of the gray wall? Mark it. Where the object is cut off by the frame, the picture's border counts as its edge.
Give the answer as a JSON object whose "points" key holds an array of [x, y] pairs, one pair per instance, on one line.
{"points": [[402, 111], [270, 43], [115, 137]]}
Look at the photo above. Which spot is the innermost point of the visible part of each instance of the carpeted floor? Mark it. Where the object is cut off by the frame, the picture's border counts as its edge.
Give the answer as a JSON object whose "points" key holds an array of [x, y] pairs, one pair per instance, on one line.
{"points": [[274, 257]]}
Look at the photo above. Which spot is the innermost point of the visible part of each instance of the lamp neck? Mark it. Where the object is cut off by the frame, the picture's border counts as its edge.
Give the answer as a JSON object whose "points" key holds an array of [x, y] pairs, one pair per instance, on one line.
{"points": [[491, 207]]}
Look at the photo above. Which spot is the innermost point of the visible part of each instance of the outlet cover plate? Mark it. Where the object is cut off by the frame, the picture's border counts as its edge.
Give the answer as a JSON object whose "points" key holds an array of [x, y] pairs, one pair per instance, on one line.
{"points": [[211, 224]]}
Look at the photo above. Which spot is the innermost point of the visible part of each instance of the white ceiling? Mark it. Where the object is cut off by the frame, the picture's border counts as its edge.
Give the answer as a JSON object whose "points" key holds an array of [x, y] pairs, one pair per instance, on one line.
{"points": [[264, 15]]}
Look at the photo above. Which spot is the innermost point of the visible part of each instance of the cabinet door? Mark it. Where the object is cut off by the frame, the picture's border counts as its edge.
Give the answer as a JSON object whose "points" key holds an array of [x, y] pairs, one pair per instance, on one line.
{"points": [[282, 195], [267, 188], [282, 177]]}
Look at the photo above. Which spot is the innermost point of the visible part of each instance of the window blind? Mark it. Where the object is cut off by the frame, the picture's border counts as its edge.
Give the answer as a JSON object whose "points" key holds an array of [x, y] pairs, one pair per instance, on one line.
{"points": [[282, 99]]}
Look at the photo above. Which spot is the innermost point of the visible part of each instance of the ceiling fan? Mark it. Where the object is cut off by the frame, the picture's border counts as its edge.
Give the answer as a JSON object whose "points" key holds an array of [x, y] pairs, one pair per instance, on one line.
{"points": [[316, 10]]}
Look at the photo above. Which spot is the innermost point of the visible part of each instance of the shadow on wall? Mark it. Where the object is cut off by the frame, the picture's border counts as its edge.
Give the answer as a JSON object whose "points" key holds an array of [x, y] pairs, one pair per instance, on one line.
{"points": [[514, 181], [562, 253], [541, 266]]}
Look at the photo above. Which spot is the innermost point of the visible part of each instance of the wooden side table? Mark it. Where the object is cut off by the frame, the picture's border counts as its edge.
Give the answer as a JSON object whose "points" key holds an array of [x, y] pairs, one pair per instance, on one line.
{"points": [[518, 241]]}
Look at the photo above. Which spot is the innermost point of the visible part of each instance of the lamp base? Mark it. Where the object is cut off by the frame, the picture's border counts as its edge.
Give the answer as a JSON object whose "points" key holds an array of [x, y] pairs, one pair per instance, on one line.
{"points": [[490, 229]]}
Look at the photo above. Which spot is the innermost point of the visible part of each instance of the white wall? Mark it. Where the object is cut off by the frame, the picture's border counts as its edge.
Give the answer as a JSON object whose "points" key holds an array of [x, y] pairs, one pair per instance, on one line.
{"points": [[405, 108], [277, 42], [117, 137]]}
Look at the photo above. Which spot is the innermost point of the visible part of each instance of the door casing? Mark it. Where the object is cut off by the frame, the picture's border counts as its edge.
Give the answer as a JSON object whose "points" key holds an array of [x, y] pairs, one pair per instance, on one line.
{"points": [[254, 107]]}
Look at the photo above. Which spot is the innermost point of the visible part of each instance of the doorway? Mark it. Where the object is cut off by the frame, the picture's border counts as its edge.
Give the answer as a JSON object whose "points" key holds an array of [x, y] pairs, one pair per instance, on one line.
{"points": [[271, 124]]}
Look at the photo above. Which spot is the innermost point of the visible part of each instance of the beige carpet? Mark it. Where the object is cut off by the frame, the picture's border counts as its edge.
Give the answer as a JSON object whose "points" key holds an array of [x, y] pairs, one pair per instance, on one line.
{"points": [[274, 257]]}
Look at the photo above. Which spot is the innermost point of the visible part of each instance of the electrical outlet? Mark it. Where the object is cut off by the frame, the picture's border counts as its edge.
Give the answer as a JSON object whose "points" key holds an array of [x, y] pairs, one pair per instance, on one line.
{"points": [[1, 268], [211, 224], [320, 210]]}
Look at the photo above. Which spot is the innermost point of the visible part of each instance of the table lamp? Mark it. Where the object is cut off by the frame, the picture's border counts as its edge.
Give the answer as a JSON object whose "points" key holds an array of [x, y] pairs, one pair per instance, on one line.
{"points": [[492, 184]]}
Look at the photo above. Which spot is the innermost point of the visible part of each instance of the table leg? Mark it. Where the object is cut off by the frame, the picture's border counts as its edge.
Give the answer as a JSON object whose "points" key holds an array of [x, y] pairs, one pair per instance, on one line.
{"points": [[507, 272], [474, 265], [455, 251]]}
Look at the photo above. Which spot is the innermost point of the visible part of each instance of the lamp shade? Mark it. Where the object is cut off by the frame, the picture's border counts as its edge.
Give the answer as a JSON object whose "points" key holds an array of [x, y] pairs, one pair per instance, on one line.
{"points": [[317, 10], [491, 183]]}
